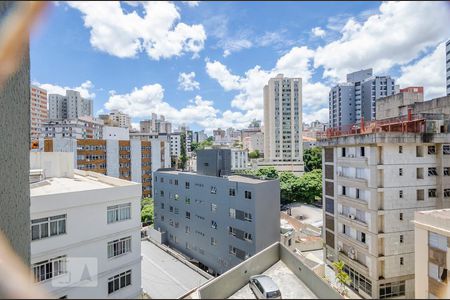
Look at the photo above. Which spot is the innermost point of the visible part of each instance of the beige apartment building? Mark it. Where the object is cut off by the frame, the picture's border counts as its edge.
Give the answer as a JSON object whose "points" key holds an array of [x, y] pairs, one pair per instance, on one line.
{"points": [[374, 180], [432, 242], [38, 111]]}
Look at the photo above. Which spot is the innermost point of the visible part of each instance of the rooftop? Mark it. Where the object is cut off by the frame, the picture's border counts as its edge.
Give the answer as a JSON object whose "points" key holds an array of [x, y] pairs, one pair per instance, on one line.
{"points": [[81, 181], [239, 178], [434, 220]]}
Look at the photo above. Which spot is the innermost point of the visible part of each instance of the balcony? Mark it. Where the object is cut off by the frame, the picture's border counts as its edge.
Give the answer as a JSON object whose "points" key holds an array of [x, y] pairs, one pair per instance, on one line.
{"points": [[352, 160], [352, 181], [350, 258], [361, 245], [358, 203], [352, 219]]}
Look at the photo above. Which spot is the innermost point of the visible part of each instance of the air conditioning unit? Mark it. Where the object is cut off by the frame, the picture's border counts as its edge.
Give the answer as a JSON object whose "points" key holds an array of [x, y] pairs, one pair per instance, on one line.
{"points": [[351, 216], [351, 255]]}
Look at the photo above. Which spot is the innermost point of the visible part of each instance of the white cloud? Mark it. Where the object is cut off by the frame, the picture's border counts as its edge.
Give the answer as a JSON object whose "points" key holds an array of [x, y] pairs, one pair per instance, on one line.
{"points": [[219, 72], [187, 81], [321, 115], [123, 34], [85, 89], [397, 34], [319, 32], [428, 72], [191, 3]]}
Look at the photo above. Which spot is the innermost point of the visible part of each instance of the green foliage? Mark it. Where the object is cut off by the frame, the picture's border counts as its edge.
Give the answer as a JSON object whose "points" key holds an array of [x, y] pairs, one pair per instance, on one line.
{"points": [[147, 210], [254, 154], [202, 145], [312, 158], [310, 186], [342, 277], [183, 155]]}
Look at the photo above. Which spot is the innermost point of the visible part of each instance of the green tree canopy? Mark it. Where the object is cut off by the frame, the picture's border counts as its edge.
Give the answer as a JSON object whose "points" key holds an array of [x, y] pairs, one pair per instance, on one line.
{"points": [[183, 155], [147, 210], [254, 154], [312, 158]]}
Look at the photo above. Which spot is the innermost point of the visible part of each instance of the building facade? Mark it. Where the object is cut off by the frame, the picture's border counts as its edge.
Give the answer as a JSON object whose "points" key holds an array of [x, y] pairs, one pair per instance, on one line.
{"points": [[254, 142], [85, 127], [175, 144], [239, 159], [355, 99], [396, 105], [432, 259], [70, 106], [283, 123], [155, 125], [447, 57], [219, 221], [38, 111], [99, 257], [117, 119]]}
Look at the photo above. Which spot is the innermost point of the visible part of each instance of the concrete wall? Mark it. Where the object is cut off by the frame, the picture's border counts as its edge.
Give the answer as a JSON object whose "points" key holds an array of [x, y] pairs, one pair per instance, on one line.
{"points": [[14, 154], [136, 158], [115, 133], [112, 156], [55, 164]]}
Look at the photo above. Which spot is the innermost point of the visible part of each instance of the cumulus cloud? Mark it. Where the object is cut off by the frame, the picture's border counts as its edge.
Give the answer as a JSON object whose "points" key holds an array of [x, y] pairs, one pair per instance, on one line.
{"points": [[187, 82], [191, 3], [397, 34], [319, 32], [159, 33], [85, 88], [428, 72]]}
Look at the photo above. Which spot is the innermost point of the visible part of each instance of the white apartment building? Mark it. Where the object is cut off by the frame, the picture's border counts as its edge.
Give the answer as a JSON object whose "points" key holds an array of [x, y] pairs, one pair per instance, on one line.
{"points": [[175, 144], [85, 230], [38, 110], [70, 106], [372, 185], [254, 142], [123, 120], [85, 127], [447, 57], [155, 125], [432, 259], [116, 133], [283, 146], [239, 159]]}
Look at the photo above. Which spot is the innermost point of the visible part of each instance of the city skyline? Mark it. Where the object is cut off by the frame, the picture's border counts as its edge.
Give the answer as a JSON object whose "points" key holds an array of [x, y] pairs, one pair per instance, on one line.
{"points": [[232, 62]]}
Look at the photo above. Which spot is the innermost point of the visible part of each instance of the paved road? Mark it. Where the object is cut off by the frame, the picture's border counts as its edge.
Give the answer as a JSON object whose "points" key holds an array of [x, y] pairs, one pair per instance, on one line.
{"points": [[164, 276], [311, 214]]}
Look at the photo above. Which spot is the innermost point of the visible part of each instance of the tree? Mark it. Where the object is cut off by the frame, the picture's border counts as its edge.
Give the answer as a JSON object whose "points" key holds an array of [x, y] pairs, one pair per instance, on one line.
{"points": [[342, 277], [194, 146], [288, 186], [312, 158], [267, 172], [309, 187], [183, 156], [147, 210], [254, 154]]}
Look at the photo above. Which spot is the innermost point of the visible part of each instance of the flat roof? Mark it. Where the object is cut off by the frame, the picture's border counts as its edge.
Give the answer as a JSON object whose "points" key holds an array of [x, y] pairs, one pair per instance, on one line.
{"points": [[239, 178], [437, 213], [81, 181], [291, 287], [164, 276]]}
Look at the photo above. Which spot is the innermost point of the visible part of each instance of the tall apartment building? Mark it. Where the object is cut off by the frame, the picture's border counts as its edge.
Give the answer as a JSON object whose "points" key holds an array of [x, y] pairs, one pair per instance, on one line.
{"points": [[175, 144], [447, 49], [38, 110], [432, 259], [283, 146], [200, 136], [254, 142], [85, 230], [155, 125], [70, 106], [350, 101], [132, 160], [239, 159], [117, 119], [84, 127], [372, 185], [217, 220]]}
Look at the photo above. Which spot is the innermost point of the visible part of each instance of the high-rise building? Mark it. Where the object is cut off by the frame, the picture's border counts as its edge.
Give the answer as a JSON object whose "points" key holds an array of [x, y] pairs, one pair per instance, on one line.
{"points": [[155, 125], [84, 127], [117, 119], [38, 111], [200, 136], [283, 145], [214, 217], [355, 99], [175, 144], [372, 185], [85, 230], [447, 49], [239, 159], [70, 106]]}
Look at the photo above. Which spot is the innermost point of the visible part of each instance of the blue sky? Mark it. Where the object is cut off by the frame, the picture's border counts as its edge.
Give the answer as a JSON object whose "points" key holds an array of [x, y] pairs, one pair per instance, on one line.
{"points": [[141, 57]]}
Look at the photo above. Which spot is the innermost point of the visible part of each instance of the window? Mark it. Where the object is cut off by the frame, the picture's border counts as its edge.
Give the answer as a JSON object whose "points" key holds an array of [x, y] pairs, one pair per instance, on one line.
{"points": [[213, 190], [446, 149], [420, 195], [119, 212], [248, 236], [232, 192], [171, 209], [187, 229], [362, 151], [431, 149], [162, 179], [232, 213], [162, 205], [248, 195], [419, 151], [401, 238], [188, 215], [392, 289], [45, 227], [161, 193], [437, 241], [401, 217], [119, 247], [400, 194], [187, 200], [357, 194], [119, 281], [213, 207], [213, 224], [431, 193], [176, 210], [400, 172], [400, 149], [358, 281], [176, 197], [343, 152], [419, 172], [247, 216], [187, 185], [401, 261], [48, 269], [162, 218], [344, 227], [213, 241], [432, 172], [344, 191], [176, 181], [446, 171]]}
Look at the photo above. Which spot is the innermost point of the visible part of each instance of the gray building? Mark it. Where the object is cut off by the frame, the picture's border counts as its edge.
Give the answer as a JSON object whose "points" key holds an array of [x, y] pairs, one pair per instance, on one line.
{"points": [[70, 106], [218, 221], [350, 101], [447, 57]]}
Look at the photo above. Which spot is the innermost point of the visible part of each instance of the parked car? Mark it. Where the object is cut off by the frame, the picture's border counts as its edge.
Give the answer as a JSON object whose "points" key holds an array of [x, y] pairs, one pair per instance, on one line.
{"points": [[264, 287]]}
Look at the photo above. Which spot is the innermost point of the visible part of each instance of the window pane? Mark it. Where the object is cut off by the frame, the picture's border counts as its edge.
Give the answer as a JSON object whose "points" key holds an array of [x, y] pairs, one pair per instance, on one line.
{"points": [[53, 228], [61, 226], [34, 232], [44, 230]]}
